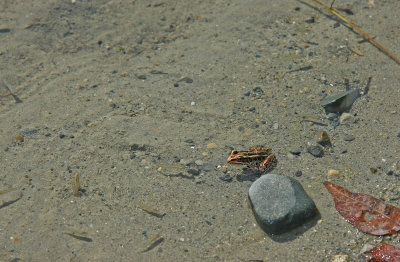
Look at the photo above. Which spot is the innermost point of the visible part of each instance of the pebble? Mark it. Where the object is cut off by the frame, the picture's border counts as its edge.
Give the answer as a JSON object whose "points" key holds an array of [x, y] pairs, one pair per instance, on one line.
{"points": [[184, 161], [224, 169], [19, 138], [348, 137], [279, 203], [341, 258], [198, 162], [295, 152], [193, 172], [332, 116], [373, 170], [226, 178], [315, 150], [333, 172], [346, 118], [291, 156], [186, 80], [212, 146], [298, 173], [323, 139], [275, 126], [394, 169]]}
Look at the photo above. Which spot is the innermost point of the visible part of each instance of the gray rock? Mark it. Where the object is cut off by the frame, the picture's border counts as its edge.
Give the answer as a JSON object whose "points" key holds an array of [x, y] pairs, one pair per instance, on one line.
{"points": [[280, 203], [315, 150], [348, 137]]}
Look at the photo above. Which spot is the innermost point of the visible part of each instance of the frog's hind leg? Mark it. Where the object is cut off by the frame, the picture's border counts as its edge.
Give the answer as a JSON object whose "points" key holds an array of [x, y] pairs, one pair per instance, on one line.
{"points": [[268, 164]]}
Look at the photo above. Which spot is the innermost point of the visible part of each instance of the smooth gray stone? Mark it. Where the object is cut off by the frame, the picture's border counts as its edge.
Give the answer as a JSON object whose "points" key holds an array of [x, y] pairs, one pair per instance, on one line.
{"points": [[280, 203]]}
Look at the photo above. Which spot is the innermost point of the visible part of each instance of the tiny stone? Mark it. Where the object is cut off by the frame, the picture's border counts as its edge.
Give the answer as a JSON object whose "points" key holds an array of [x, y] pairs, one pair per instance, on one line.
{"points": [[198, 162], [315, 150], [184, 161], [224, 169], [332, 116], [226, 178], [193, 172], [389, 172], [333, 172], [290, 156], [295, 151], [62, 136], [373, 170], [323, 139], [348, 137], [211, 146], [142, 77], [258, 90], [19, 138], [186, 80], [275, 126], [192, 103], [341, 258], [298, 173], [346, 118]]}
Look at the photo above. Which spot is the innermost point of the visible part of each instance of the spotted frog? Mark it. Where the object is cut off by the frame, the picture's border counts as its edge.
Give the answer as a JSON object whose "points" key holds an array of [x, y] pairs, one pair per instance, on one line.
{"points": [[257, 158]]}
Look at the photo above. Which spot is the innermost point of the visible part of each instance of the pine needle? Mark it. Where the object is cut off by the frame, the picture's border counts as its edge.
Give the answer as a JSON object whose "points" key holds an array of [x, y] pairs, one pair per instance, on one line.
{"points": [[361, 32]]}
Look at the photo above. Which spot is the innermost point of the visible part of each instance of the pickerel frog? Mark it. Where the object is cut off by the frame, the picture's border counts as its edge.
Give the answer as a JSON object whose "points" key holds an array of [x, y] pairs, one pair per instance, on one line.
{"points": [[258, 158]]}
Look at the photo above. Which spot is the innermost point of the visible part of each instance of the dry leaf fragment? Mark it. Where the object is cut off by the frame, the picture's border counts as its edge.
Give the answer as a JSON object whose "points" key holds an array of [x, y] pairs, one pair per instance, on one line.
{"points": [[383, 253], [354, 206]]}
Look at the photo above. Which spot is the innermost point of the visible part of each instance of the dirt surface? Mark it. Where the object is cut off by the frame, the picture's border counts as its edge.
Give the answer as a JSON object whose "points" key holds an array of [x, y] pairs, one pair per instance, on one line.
{"points": [[146, 99]]}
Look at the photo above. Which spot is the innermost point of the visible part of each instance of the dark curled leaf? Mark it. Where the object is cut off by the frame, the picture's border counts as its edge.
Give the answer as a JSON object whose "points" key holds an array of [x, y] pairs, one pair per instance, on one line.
{"points": [[354, 206]]}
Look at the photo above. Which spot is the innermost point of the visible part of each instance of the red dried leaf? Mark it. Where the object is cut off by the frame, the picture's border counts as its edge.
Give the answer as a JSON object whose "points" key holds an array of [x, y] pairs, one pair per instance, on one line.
{"points": [[383, 253], [354, 206]]}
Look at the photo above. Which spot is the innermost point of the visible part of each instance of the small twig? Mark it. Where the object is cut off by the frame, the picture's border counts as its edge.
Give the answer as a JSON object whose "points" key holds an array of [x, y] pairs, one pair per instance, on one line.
{"points": [[366, 89], [361, 32], [17, 100]]}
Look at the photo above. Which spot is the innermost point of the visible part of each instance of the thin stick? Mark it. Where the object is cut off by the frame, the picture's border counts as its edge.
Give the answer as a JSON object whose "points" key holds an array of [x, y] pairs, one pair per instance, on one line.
{"points": [[361, 32], [17, 100]]}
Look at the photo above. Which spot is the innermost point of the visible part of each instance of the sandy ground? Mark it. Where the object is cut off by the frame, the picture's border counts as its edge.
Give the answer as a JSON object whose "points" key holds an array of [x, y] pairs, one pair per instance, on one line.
{"points": [[146, 99]]}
